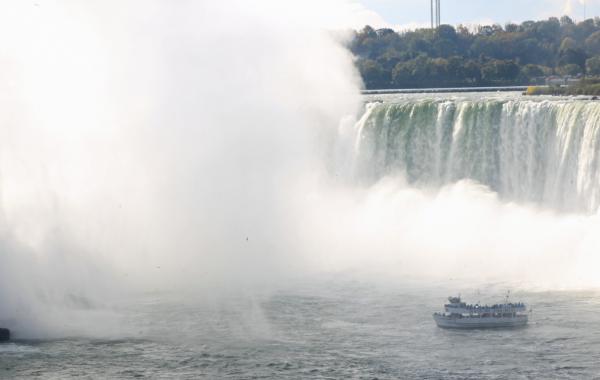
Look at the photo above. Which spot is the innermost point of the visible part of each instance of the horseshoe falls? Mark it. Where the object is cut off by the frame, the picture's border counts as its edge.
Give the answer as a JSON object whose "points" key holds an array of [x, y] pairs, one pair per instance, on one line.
{"points": [[540, 151], [184, 200]]}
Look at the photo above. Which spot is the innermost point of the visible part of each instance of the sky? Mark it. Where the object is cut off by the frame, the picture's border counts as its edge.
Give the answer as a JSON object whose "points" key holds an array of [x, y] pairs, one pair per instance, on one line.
{"points": [[408, 14]]}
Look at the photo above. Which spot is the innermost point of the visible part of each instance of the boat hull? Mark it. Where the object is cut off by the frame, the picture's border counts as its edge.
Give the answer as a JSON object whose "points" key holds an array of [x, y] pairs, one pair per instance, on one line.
{"points": [[449, 322]]}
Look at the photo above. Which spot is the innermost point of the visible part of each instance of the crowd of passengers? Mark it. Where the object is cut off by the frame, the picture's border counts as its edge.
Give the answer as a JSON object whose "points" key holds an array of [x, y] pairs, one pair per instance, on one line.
{"points": [[495, 306]]}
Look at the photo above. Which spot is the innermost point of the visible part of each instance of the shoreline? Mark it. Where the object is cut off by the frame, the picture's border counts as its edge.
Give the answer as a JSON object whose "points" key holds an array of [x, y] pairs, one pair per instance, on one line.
{"points": [[446, 90]]}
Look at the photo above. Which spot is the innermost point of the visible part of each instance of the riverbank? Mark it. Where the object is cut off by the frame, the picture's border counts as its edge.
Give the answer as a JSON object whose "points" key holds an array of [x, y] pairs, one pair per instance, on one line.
{"points": [[445, 90], [590, 87]]}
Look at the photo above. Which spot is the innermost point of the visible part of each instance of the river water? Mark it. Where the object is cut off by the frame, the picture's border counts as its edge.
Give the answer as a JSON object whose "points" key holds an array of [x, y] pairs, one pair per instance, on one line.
{"points": [[328, 329], [497, 188]]}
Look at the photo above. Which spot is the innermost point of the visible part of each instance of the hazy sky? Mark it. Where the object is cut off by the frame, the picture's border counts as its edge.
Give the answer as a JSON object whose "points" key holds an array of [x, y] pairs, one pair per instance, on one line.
{"points": [[410, 13]]}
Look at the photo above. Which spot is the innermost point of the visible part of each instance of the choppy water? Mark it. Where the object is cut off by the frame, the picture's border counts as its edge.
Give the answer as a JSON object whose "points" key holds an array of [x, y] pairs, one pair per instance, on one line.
{"points": [[335, 329]]}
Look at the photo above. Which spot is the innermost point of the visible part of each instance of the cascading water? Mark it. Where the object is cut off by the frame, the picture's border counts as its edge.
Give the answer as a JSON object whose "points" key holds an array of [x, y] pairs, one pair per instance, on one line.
{"points": [[142, 163], [527, 150], [165, 203]]}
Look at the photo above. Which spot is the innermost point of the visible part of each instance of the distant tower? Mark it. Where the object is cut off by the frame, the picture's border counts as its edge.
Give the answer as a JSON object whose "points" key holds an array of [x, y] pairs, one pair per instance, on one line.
{"points": [[432, 14], [435, 13]]}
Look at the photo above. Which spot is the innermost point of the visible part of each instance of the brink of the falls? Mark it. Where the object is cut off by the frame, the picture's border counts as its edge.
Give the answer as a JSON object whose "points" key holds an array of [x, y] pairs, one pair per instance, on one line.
{"points": [[531, 150]]}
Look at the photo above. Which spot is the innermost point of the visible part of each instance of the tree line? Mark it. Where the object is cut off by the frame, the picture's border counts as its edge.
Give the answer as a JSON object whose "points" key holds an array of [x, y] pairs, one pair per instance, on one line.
{"points": [[489, 55]]}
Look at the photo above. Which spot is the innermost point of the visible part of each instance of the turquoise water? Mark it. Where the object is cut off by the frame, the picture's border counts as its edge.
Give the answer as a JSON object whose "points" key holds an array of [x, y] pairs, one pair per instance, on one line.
{"points": [[527, 149]]}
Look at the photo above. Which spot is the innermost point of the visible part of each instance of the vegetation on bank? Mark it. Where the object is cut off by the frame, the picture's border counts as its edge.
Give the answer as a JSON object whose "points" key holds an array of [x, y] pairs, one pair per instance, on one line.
{"points": [[516, 54], [585, 87]]}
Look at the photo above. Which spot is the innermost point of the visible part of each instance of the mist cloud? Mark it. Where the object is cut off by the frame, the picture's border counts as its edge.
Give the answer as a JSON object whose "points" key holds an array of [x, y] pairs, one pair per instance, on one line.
{"points": [[153, 145]]}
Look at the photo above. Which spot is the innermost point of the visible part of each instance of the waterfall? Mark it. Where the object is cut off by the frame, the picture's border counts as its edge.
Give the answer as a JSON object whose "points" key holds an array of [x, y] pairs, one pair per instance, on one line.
{"points": [[542, 151]]}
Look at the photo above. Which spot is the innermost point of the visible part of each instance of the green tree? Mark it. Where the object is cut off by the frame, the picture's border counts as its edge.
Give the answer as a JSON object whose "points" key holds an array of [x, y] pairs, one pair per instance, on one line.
{"points": [[500, 71], [592, 66], [572, 57], [592, 43], [447, 56], [566, 20], [373, 74], [570, 69], [532, 71], [568, 43], [446, 32]]}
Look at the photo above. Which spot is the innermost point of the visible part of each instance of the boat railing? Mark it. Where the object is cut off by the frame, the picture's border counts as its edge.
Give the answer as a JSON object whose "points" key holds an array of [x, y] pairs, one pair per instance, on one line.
{"points": [[496, 307]]}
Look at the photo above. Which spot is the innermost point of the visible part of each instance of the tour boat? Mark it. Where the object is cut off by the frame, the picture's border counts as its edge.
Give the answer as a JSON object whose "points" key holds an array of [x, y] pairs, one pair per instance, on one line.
{"points": [[459, 315]]}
